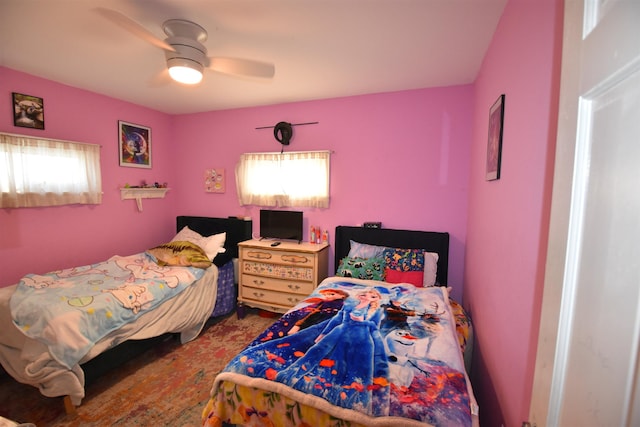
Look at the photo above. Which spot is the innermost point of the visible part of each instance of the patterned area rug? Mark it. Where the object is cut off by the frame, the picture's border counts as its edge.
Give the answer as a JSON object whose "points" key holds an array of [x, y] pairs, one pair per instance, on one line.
{"points": [[167, 385]]}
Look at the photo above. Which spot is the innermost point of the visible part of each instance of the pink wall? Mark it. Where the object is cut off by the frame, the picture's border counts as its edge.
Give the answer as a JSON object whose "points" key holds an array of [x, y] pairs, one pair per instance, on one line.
{"points": [[508, 218], [400, 158], [37, 240]]}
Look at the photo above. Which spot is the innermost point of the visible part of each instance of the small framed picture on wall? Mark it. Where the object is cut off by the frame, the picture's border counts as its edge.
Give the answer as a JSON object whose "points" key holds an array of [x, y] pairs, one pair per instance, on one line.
{"points": [[28, 111], [134, 143], [494, 144], [214, 180]]}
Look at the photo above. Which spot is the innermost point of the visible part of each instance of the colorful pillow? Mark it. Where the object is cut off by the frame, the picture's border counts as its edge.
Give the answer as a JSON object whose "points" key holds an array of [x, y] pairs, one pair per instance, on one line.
{"points": [[180, 253], [430, 271], [361, 268], [404, 266], [212, 245], [416, 278], [363, 250]]}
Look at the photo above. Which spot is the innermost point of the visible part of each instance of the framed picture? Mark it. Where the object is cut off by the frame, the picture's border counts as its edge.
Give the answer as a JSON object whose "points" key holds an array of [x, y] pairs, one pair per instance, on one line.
{"points": [[214, 180], [28, 111], [134, 145], [494, 145]]}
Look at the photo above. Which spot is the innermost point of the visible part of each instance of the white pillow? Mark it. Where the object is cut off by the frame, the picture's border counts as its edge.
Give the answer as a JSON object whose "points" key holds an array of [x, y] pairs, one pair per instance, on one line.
{"points": [[212, 245], [364, 250], [430, 269]]}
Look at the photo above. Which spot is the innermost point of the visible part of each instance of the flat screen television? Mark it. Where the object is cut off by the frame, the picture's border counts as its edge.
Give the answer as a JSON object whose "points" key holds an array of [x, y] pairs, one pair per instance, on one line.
{"points": [[281, 224]]}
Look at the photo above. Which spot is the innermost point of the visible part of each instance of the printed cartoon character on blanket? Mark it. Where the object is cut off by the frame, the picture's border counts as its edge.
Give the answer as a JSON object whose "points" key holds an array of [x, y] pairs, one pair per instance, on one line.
{"points": [[316, 309], [419, 359], [72, 309], [379, 350], [321, 360]]}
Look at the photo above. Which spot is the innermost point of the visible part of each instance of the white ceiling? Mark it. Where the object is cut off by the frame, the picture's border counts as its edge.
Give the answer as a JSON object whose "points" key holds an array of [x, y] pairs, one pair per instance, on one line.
{"points": [[320, 48]]}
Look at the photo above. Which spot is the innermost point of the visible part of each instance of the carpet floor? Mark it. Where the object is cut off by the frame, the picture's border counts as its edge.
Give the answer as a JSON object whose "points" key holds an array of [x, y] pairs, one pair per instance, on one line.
{"points": [[168, 385]]}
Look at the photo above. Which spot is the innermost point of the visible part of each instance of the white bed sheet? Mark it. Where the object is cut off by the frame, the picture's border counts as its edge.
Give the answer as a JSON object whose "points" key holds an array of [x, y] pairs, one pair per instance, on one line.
{"points": [[29, 362]]}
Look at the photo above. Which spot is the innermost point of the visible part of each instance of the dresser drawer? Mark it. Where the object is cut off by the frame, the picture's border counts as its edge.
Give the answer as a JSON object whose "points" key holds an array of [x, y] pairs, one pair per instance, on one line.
{"points": [[267, 296], [290, 258], [279, 271], [268, 283]]}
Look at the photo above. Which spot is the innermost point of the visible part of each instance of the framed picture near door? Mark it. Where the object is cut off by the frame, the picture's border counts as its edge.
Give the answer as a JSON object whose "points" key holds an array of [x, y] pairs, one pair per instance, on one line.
{"points": [[494, 144], [134, 145]]}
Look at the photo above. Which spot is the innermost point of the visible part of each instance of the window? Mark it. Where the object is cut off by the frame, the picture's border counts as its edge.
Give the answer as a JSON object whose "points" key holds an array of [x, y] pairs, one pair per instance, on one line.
{"points": [[284, 179], [47, 172]]}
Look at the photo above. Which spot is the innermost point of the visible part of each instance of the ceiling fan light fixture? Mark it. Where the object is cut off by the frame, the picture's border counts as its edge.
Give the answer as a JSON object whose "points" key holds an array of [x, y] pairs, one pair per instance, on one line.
{"points": [[185, 71]]}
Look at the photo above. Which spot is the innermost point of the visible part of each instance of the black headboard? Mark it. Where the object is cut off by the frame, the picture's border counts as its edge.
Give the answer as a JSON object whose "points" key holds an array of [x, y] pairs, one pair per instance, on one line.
{"points": [[238, 230], [430, 241]]}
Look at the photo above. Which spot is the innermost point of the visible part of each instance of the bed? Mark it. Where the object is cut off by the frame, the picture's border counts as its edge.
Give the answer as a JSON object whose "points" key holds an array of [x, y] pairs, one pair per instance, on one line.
{"points": [[381, 343], [170, 289]]}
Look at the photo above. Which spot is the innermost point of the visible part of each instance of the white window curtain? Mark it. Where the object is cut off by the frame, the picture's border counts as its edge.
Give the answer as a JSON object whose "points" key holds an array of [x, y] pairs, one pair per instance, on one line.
{"points": [[46, 172], [284, 179]]}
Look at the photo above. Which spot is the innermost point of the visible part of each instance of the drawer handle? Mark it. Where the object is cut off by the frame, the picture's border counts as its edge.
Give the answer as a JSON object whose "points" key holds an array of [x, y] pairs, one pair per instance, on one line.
{"points": [[293, 300], [258, 282], [258, 255], [296, 259], [258, 294], [294, 287]]}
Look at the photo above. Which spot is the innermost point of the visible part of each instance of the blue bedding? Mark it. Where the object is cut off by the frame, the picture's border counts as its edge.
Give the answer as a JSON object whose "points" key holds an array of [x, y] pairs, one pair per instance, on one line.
{"points": [[70, 310], [364, 351], [226, 296]]}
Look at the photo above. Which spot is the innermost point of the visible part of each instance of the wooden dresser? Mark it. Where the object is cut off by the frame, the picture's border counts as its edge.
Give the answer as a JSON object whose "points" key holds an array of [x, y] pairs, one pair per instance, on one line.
{"points": [[275, 278]]}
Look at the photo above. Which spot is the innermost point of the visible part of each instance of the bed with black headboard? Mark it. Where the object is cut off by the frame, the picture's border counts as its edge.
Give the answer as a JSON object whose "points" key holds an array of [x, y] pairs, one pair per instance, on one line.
{"points": [[366, 348], [180, 270], [237, 230], [429, 241]]}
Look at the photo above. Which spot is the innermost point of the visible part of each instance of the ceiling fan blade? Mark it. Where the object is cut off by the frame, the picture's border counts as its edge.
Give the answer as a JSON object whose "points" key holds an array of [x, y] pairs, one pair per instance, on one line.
{"points": [[160, 79], [243, 67], [133, 27]]}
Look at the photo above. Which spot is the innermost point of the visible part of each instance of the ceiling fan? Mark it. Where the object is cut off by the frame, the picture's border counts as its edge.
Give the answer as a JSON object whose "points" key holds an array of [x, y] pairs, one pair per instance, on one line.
{"points": [[185, 52]]}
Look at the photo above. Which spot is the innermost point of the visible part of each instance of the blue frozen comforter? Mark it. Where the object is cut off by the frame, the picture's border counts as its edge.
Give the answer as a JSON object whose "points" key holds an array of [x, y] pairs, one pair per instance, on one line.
{"points": [[376, 349], [70, 310]]}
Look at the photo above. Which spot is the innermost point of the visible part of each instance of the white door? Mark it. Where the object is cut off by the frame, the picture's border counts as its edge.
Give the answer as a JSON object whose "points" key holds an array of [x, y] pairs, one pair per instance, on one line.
{"points": [[587, 363]]}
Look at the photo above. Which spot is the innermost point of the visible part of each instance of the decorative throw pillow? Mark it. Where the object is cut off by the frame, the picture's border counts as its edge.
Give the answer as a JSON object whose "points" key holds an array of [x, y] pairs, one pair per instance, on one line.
{"points": [[180, 253], [212, 245], [361, 268], [404, 266], [416, 278], [364, 250]]}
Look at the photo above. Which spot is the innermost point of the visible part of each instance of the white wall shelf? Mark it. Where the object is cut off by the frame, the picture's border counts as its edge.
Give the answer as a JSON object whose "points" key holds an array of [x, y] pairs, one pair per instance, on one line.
{"points": [[142, 193]]}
